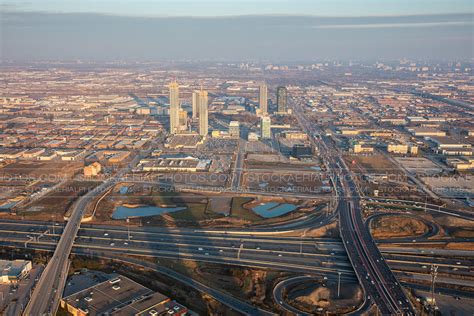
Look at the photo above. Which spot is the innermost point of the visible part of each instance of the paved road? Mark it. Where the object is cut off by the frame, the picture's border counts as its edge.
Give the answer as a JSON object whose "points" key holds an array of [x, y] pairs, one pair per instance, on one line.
{"points": [[46, 294], [375, 276], [295, 250], [48, 291], [238, 166]]}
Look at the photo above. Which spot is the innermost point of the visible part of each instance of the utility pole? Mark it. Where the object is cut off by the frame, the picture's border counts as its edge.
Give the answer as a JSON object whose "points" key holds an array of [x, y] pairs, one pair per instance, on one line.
{"points": [[301, 241], [128, 228], [426, 202], [434, 274], [240, 249], [338, 284]]}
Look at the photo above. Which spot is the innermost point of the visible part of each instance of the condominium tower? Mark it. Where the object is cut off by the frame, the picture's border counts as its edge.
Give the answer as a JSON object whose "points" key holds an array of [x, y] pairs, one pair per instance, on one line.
{"points": [[174, 107], [195, 104], [203, 113], [263, 99], [282, 99], [265, 126]]}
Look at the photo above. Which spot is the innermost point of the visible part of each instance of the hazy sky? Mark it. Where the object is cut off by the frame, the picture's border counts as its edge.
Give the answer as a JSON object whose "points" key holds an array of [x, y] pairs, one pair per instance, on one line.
{"points": [[270, 30], [245, 7]]}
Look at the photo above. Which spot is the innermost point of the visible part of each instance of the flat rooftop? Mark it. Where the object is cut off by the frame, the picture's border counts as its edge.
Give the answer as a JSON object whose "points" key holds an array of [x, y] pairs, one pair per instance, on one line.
{"points": [[109, 296]]}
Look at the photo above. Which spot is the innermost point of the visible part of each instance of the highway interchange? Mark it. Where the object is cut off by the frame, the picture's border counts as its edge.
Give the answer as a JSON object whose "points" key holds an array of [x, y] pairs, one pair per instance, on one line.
{"points": [[262, 249], [380, 276]]}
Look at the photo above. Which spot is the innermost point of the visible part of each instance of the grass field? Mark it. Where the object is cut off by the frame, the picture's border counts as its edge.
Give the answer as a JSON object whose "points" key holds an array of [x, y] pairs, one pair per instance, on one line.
{"points": [[239, 211]]}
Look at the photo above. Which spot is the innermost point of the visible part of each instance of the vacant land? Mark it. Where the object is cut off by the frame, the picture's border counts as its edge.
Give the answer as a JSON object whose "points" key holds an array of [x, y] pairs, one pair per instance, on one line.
{"points": [[58, 201], [41, 170], [378, 164], [397, 226], [313, 297]]}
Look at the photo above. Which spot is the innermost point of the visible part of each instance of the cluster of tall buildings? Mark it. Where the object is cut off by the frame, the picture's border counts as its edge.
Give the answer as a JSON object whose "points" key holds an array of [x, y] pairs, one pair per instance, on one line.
{"points": [[282, 102], [282, 99], [200, 104], [199, 108]]}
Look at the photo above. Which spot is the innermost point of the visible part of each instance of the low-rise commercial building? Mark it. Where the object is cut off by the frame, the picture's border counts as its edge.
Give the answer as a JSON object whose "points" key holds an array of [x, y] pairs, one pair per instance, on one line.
{"points": [[176, 163], [13, 271], [234, 129], [461, 164], [362, 148], [92, 170], [425, 131], [120, 296]]}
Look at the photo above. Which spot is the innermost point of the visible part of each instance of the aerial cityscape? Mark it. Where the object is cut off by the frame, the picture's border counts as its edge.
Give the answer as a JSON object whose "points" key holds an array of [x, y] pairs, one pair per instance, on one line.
{"points": [[296, 174]]}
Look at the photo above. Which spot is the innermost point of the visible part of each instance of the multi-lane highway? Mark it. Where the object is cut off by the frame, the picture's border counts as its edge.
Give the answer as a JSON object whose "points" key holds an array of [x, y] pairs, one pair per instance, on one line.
{"points": [[375, 276], [307, 254], [45, 297], [317, 256]]}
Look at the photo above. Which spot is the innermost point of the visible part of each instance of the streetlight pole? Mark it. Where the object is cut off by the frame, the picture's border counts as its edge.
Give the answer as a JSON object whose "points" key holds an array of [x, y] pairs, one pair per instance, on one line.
{"points": [[128, 228], [338, 284], [434, 274], [301, 241], [240, 249]]}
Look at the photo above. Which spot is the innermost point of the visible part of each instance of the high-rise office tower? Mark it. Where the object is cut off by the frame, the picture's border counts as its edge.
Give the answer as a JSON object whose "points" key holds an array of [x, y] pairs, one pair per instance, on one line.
{"points": [[174, 107], [265, 126], [282, 99], [195, 104], [203, 113], [263, 99]]}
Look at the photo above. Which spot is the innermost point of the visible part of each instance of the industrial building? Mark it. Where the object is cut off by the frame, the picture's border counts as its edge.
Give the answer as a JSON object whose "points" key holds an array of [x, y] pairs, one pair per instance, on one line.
{"points": [[176, 163], [13, 271], [119, 296]]}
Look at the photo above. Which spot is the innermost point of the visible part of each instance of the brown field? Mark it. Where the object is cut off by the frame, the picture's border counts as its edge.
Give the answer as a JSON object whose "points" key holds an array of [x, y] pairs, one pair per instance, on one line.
{"points": [[310, 297], [44, 170], [58, 201], [372, 164], [281, 181], [397, 226]]}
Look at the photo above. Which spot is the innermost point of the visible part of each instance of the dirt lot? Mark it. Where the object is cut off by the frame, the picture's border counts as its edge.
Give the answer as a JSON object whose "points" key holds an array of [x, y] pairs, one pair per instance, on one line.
{"points": [[455, 227], [378, 164], [58, 201], [397, 226], [43, 170], [311, 297], [297, 181]]}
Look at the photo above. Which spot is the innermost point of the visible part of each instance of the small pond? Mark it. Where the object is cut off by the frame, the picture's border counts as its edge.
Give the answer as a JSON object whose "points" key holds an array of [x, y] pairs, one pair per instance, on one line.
{"points": [[273, 209]]}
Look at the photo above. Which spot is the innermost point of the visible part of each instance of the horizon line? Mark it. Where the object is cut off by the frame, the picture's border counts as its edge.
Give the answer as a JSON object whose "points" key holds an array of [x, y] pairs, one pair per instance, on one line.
{"points": [[223, 16]]}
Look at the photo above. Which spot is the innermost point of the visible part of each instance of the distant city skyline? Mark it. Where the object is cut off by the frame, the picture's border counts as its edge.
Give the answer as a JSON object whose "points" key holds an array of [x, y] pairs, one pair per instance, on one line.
{"points": [[215, 8]]}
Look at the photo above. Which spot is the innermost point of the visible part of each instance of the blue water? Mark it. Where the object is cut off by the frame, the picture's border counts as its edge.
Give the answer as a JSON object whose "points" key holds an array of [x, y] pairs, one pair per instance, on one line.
{"points": [[123, 190], [122, 212], [7, 205], [273, 209]]}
